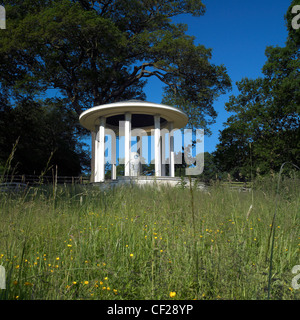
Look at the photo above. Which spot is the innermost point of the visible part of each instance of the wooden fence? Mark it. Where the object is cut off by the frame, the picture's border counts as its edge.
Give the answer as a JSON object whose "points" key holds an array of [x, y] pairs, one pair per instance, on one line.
{"points": [[34, 179]]}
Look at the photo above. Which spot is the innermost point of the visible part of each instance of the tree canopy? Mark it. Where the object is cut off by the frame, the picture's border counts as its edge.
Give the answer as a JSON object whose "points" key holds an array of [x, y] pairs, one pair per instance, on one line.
{"points": [[45, 132], [265, 126], [97, 52]]}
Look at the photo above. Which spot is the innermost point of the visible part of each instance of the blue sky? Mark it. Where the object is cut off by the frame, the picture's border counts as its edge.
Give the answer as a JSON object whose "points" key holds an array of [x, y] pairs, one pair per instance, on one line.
{"points": [[238, 31]]}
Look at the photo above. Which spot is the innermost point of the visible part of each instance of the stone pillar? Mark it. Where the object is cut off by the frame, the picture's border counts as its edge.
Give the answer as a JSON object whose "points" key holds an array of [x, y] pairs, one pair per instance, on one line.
{"points": [[96, 155], [113, 157], [92, 179], [171, 147], [101, 150], [163, 155], [157, 146], [127, 143]]}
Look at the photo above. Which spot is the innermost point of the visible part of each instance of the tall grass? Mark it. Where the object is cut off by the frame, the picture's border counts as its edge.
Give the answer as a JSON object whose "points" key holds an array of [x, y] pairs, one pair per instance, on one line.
{"points": [[273, 229], [78, 242]]}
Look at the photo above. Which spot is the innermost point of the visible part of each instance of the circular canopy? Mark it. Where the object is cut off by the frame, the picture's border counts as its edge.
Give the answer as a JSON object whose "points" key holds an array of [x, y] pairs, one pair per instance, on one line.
{"points": [[142, 115]]}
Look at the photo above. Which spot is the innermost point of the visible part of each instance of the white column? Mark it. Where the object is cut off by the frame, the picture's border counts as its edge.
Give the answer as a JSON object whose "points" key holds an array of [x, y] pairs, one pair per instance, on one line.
{"points": [[96, 148], [100, 164], [127, 143], [157, 144], [163, 150], [171, 148], [94, 141], [113, 172], [113, 157]]}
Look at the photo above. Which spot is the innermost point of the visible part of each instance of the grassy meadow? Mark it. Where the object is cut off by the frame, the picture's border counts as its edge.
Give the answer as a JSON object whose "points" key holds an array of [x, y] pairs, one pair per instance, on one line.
{"points": [[78, 242]]}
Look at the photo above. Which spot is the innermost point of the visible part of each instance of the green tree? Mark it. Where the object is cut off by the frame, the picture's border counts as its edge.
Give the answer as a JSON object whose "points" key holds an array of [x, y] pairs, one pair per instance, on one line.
{"points": [[210, 171], [42, 128], [98, 52], [265, 126]]}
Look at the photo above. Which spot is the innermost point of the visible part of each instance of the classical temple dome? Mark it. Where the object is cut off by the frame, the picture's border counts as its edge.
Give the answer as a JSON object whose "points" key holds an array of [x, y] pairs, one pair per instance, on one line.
{"points": [[133, 114], [142, 115]]}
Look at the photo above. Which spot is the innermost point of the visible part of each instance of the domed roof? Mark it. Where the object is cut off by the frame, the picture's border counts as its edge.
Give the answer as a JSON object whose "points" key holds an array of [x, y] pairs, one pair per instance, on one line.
{"points": [[141, 114]]}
